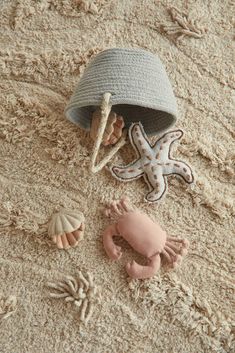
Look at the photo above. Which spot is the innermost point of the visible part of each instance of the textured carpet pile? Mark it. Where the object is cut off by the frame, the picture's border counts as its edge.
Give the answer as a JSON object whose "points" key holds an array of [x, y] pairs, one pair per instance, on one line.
{"points": [[44, 47]]}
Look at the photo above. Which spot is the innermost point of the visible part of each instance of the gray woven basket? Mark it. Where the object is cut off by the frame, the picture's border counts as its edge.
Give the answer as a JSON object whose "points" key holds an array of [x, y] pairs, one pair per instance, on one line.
{"points": [[139, 86]]}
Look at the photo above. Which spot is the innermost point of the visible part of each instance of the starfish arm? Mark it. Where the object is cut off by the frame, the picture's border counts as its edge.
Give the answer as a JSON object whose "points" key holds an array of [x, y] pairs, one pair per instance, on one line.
{"points": [[163, 144], [157, 184], [180, 168], [139, 140], [130, 172]]}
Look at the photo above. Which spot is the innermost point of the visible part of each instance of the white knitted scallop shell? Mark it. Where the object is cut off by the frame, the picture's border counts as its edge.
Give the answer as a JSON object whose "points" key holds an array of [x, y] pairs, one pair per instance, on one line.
{"points": [[65, 221]]}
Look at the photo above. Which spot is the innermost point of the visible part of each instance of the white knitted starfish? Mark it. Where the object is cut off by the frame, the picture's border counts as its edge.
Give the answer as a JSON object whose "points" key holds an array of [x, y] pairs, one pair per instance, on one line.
{"points": [[154, 162]]}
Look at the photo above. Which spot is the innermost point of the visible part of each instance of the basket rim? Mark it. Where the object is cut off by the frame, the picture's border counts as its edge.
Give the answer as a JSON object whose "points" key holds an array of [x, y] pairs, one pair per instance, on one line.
{"points": [[156, 106]]}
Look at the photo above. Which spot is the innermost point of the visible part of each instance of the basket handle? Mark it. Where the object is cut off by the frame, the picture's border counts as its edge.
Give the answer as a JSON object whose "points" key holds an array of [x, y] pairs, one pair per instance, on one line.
{"points": [[105, 110]]}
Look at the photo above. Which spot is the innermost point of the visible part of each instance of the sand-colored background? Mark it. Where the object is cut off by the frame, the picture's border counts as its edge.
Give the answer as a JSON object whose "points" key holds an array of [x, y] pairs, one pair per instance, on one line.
{"points": [[44, 160]]}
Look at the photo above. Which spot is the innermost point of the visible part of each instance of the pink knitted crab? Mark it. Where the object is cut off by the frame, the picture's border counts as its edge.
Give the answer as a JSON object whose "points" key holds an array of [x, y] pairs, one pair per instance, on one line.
{"points": [[144, 235]]}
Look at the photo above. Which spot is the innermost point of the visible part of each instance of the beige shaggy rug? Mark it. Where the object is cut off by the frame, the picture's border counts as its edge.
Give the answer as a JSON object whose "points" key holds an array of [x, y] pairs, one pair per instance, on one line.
{"points": [[44, 159]]}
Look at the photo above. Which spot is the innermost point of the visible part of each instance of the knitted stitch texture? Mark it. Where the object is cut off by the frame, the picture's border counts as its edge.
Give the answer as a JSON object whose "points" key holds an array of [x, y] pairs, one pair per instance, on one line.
{"points": [[140, 88]]}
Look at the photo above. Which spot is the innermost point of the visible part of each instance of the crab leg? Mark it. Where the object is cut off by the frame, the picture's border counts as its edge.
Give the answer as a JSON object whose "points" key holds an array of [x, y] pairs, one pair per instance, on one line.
{"points": [[172, 246], [182, 250], [179, 240], [168, 257], [125, 204], [115, 209]]}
